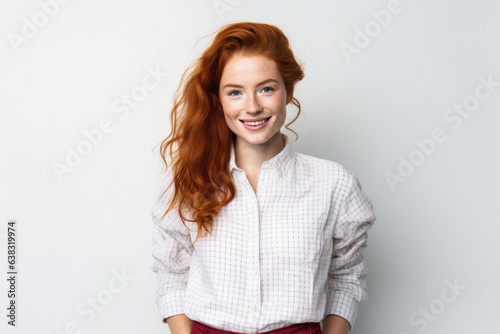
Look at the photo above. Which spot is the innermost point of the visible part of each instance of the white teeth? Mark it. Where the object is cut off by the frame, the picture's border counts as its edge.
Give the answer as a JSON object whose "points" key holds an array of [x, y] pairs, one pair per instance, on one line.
{"points": [[255, 123]]}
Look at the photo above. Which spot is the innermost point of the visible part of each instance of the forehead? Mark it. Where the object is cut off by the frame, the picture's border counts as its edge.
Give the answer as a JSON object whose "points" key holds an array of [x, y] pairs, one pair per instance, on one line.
{"points": [[249, 67]]}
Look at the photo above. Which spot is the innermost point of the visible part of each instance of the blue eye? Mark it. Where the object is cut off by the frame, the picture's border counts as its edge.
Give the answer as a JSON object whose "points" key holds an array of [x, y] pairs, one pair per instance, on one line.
{"points": [[231, 93], [270, 89]]}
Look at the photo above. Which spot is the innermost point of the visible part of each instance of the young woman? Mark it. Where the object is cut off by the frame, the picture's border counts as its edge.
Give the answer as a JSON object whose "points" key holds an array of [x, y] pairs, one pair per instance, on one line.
{"points": [[249, 235]]}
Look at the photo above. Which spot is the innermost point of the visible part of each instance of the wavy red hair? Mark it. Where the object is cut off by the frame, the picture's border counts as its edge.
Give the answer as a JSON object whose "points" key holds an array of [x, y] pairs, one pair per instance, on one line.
{"points": [[199, 163]]}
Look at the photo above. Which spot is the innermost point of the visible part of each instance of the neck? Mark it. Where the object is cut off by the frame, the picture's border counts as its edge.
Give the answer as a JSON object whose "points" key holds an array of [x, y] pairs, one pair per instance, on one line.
{"points": [[251, 157]]}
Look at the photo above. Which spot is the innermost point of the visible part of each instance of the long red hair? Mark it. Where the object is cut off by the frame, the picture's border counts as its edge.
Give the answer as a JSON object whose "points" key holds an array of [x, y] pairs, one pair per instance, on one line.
{"points": [[199, 163]]}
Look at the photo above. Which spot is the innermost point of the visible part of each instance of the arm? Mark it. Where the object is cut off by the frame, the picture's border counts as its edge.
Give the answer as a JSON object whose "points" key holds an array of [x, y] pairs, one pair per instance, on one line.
{"points": [[179, 324], [347, 273], [172, 250], [335, 324]]}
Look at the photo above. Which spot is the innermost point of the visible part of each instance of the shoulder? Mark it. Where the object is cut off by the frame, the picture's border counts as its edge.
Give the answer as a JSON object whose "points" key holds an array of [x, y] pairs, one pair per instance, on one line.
{"points": [[335, 170], [330, 175], [339, 184]]}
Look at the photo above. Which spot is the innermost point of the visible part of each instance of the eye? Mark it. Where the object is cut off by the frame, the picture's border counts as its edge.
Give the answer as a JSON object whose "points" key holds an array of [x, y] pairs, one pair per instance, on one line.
{"points": [[233, 91], [267, 91]]}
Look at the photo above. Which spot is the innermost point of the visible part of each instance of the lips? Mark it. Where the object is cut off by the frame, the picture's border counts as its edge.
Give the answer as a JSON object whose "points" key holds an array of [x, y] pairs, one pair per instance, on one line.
{"points": [[256, 126], [254, 120]]}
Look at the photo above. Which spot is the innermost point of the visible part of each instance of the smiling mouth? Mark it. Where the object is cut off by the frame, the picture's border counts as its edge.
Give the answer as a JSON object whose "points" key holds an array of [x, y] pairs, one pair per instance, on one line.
{"points": [[256, 123]]}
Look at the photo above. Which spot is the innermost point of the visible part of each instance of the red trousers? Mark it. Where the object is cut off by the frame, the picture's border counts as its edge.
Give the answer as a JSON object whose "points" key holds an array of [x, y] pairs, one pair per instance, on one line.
{"points": [[305, 328]]}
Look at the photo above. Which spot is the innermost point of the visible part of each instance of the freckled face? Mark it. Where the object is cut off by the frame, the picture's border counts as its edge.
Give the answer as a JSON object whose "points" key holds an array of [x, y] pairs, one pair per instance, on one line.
{"points": [[251, 89]]}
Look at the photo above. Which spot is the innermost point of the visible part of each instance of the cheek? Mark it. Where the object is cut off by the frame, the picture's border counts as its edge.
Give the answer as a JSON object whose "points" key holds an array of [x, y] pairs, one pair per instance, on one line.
{"points": [[226, 108], [280, 104], [230, 113], [280, 99]]}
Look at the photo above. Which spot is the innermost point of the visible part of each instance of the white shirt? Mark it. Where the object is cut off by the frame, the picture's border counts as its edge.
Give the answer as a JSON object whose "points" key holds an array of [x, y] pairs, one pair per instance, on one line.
{"points": [[290, 253]]}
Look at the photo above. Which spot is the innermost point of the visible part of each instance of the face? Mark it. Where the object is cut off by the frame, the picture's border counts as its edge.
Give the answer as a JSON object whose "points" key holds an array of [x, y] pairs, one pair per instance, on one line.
{"points": [[252, 89]]}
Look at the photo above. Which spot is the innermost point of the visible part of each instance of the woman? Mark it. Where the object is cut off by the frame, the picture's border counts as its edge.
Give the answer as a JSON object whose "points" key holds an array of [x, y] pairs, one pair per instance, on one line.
{"points": [[250, 236]]}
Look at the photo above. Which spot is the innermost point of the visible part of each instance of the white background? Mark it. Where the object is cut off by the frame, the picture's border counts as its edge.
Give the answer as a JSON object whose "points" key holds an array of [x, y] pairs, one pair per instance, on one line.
{"points": [[365, 111]]}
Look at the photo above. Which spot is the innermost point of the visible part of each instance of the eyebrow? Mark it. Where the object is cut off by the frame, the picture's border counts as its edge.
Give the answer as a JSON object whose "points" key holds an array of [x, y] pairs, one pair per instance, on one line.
{"points": [[239, 86]]}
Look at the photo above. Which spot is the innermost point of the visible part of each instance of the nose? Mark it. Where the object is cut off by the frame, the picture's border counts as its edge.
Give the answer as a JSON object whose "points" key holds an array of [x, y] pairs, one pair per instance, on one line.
{"points": [[253, 103]]}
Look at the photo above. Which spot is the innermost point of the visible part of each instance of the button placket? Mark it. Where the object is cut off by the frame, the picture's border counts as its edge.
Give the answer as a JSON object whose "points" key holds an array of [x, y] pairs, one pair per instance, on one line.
{"points": [[253, 266]]}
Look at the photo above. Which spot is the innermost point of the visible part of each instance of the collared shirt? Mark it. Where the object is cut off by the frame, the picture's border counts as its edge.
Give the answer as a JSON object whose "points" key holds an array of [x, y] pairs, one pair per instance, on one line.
{"points": [[291, 252]]}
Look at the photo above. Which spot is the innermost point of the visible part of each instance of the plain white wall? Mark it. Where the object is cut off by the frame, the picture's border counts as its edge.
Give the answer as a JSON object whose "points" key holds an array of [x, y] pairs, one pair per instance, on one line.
{"points": [[377, 90]]}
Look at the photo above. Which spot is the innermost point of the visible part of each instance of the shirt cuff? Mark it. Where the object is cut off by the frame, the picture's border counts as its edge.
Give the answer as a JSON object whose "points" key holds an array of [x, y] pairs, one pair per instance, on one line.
{"points": [[170, 304], [343, 304]]}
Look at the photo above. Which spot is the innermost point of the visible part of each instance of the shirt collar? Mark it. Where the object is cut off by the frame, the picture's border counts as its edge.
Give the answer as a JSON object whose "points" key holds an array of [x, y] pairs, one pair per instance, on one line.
{"points": [[281, 162]]}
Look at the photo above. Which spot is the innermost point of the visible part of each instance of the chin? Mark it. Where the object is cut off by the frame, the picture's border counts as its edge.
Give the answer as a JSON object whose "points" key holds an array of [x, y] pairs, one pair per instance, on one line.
{"points": [[259, 140]]}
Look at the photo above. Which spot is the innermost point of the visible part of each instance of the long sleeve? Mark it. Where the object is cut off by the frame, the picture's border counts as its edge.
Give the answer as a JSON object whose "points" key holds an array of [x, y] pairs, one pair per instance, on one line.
{"points": [[172, 250], [346, 285]]}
